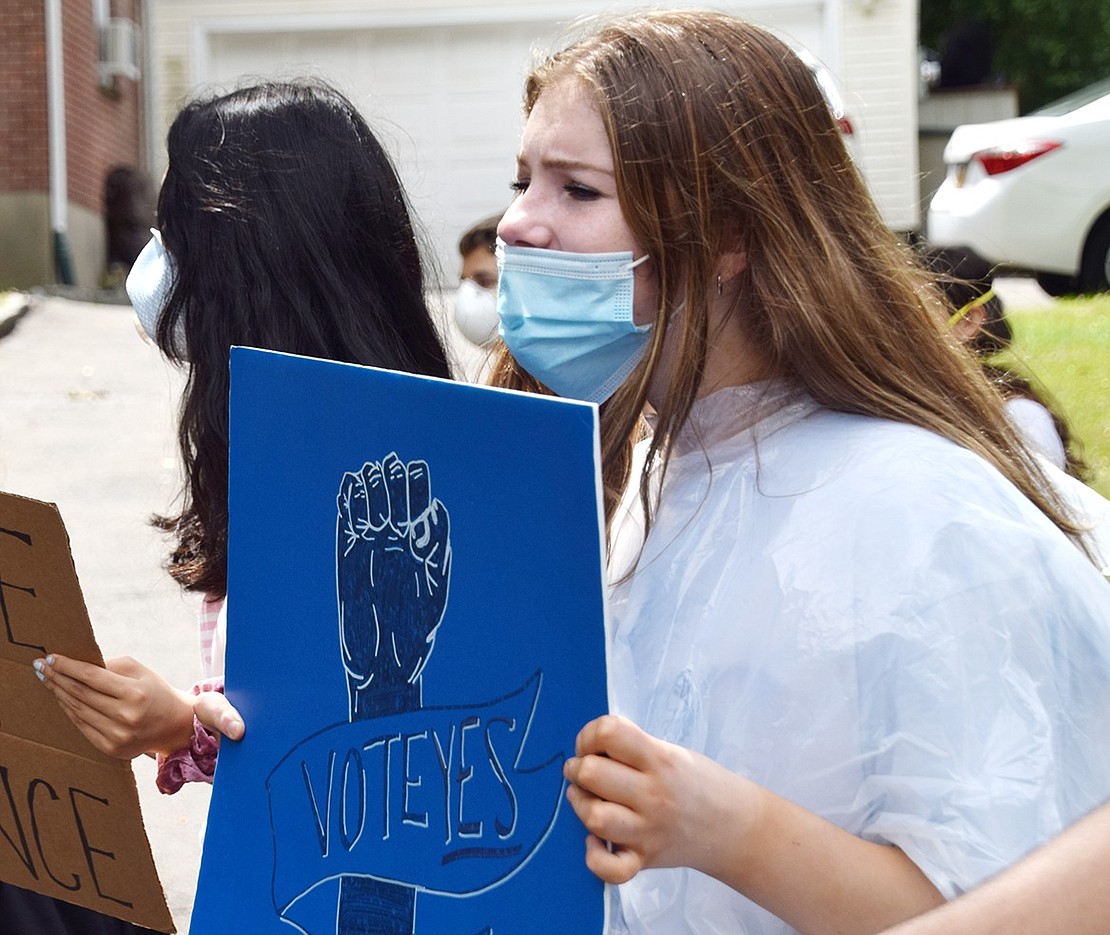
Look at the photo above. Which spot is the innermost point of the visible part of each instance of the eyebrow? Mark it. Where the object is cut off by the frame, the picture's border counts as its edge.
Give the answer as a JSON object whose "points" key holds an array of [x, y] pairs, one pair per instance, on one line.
{"points": [[564, 164]]}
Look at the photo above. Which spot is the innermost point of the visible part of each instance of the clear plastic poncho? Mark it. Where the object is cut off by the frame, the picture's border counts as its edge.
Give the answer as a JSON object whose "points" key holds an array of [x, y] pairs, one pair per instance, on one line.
{"points": [[870, 621]]}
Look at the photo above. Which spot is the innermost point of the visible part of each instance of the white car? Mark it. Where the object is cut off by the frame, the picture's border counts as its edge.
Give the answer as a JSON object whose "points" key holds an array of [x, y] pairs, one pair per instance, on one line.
{"points": [[830, 90], [1033, 193]]}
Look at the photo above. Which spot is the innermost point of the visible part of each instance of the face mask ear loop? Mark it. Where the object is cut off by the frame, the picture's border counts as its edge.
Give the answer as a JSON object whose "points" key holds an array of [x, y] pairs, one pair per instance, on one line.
{"points": [[643, 259], [961, 313]]}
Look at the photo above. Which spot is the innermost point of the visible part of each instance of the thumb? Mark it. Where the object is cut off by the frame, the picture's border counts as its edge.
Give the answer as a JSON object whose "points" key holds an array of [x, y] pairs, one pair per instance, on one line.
{"points": [[215, 712]]}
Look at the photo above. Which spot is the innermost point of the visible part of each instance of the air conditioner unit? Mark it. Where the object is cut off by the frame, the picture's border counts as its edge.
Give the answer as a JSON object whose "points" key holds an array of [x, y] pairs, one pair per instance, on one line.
{"points": [[119, 50]]}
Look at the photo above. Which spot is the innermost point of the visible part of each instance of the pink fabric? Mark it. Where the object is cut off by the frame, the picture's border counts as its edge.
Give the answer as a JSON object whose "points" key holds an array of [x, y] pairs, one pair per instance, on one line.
{"points": [[196, 762], [206, 625]]}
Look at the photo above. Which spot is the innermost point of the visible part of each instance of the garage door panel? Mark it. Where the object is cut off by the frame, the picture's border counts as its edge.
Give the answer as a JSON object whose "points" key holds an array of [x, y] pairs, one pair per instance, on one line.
{"points": [[445, 101]]}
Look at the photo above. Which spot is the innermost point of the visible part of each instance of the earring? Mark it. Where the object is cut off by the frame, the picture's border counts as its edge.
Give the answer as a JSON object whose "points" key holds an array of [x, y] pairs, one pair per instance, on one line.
{"points": [[720, 288]]}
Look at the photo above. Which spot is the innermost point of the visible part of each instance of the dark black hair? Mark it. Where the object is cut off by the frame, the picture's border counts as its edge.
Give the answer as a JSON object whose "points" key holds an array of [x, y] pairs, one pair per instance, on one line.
{"points": [[290, 232], [964, 278]]}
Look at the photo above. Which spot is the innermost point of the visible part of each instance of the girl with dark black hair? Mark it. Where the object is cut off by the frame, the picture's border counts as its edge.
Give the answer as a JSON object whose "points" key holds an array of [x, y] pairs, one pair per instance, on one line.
{"points": [[281, 225], [289, 231], [979, 321]]}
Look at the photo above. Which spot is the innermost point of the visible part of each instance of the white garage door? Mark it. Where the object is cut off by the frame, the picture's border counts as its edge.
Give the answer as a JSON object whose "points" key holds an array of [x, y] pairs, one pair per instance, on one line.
{"points": [[444, 101]]}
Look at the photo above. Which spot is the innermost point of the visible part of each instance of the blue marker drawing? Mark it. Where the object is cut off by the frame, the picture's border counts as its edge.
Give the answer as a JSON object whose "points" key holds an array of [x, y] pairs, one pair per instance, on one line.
{"points": [[393, 571], [442, 801]]}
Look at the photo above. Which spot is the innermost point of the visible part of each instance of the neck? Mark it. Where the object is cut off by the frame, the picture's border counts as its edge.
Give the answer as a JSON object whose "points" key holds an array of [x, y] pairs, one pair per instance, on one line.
{"points": [[731, 360]]}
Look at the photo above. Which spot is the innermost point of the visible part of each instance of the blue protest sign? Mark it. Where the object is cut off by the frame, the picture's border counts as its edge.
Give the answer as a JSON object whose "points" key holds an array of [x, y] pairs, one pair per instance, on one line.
{"points": [[415, 637]]}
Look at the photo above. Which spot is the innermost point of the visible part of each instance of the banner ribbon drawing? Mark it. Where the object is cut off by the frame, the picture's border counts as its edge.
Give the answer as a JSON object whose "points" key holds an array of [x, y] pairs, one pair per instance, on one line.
{"points": [[438, 799]]}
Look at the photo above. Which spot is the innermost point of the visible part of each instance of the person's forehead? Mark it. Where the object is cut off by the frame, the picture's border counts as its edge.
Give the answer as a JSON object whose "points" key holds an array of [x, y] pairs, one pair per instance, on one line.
{"points": [[565, 128], [479, 260]]}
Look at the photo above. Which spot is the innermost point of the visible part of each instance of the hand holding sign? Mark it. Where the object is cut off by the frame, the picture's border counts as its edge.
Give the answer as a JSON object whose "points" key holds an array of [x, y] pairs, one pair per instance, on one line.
{"points": [[648, 803], [124, 708], [393, 567], [70, 814]]}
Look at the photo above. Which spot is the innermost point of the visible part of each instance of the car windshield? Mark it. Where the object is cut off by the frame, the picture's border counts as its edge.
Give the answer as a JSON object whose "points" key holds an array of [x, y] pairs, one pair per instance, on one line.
{"points": [[1075, 100]]}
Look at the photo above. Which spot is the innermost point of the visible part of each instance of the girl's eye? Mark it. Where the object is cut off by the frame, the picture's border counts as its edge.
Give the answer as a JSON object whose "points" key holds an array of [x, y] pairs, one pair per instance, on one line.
{"points": [[518, 186], [581, 192]]}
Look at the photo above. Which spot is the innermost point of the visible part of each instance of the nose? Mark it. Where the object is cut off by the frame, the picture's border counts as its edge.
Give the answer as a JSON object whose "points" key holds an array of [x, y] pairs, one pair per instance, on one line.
{"points": [[521, 226]]}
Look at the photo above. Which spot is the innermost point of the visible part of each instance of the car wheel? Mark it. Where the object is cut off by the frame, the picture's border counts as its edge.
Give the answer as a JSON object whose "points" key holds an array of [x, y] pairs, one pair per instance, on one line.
{"points": [[1094, 276], [1056, 284]]}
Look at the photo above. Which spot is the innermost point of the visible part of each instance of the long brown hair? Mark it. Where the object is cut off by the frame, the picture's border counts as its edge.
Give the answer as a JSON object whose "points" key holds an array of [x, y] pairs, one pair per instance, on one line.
{"points": [[722, 142]]}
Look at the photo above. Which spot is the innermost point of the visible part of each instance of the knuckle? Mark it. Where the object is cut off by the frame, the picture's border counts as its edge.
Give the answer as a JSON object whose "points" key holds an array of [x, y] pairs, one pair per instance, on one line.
{"points": [[589, 770], [596, 864], [597, 816], [630, 866], [607, 727], [113, 744], [128, 719]]}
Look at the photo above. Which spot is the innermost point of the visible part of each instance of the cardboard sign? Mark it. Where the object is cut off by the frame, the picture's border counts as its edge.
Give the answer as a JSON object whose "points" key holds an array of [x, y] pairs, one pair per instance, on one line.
{"points": [[415, 638], [70, 824]]}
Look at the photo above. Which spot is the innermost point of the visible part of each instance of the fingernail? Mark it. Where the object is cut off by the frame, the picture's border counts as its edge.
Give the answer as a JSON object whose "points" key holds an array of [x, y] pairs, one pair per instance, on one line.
{"points": [[50, 659], [234, 729], [37, 665]]}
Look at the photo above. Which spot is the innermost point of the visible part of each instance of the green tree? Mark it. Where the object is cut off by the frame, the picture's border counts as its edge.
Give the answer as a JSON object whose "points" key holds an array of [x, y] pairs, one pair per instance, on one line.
{"points": [[1044, 48]]}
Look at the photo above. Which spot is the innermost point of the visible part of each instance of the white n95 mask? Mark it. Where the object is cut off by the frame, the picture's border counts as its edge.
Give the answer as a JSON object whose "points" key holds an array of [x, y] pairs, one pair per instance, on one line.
{"points": [[148, 287], [567, 318], [476, 312]]}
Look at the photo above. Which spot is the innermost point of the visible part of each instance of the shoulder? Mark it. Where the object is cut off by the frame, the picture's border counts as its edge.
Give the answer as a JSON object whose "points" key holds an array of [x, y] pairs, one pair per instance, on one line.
{"points": [[1036, 426], [877, 464], [912, 504]]}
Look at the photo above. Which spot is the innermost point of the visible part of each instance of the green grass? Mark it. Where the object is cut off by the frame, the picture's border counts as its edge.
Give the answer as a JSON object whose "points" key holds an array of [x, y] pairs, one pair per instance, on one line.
{"points": [[1065, 350]]}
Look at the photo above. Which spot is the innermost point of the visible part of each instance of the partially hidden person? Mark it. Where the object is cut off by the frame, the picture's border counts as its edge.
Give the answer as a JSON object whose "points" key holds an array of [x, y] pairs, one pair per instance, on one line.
{"points": [[282, 225]]}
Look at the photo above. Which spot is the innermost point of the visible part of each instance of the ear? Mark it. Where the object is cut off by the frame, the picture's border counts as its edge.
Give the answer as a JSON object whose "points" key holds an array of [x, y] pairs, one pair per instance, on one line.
{"points": [[970, 325], [731, 264]]}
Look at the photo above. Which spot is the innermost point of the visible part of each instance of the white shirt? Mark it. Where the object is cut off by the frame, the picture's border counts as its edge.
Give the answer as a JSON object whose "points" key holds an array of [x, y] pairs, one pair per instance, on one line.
{"points": [[1035, 425], [870, 621]]}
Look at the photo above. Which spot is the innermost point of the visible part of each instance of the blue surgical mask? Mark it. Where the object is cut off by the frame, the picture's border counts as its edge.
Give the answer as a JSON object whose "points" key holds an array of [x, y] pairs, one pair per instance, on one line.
{"points": [[567, 318], [149, 285]]}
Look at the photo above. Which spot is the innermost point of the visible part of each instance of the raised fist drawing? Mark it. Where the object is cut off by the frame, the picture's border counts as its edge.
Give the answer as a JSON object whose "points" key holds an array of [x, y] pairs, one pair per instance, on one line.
{"points": [[393, 569]]}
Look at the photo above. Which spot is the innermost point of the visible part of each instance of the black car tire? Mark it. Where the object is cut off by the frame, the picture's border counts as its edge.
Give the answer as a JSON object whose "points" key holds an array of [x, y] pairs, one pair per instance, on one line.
{"points": [[1056, 284], [1094, 275]]}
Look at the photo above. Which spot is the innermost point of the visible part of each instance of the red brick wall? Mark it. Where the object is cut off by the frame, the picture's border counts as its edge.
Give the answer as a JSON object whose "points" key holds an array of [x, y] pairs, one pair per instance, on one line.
{"points": [[23, 152], [102, 129]]}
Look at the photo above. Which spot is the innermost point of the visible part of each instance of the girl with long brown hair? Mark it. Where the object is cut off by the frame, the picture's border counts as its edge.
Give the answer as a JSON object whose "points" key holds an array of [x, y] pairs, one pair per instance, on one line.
{"points": [[856, 664]]}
